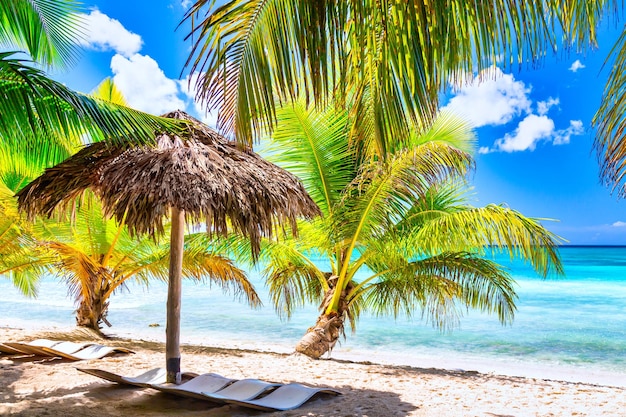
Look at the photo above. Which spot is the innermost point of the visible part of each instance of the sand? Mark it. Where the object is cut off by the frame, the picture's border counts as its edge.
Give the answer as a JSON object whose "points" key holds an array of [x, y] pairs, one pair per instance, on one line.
{"points": [[34, 387]]}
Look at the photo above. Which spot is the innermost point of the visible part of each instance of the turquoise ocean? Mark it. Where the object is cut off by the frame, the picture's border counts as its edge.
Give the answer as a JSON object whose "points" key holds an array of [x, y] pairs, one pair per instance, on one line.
{"points": [[570, 328]]}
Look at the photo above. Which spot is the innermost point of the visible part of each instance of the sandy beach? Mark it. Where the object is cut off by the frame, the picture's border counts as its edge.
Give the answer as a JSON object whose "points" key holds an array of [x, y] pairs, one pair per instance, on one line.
{"points": [[34, 387]]}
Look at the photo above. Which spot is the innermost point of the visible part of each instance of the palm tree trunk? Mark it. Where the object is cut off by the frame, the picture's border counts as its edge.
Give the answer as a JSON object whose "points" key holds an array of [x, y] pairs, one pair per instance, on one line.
{"points": [[322, 337], [172, 330], [92, 311]]}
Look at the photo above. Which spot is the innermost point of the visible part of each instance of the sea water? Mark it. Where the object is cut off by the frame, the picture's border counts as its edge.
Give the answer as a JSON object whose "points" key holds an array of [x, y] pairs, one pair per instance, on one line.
{"points": [[571, 327]]}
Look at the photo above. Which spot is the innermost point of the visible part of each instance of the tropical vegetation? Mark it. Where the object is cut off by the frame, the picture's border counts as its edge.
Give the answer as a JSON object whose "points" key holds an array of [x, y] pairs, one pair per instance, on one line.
{"points": [[398, 234], [35, 109], [97, 257], [405, 53]]}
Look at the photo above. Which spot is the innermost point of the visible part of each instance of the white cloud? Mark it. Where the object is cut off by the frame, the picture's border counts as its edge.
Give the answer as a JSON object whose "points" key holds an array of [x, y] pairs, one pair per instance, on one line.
{"points": [[139, 77], [532, 130], [144, 84], [619, 224], [576, 65], [185, 3], [103, 33], [562, 137], [544, 106], [492, 98], [529, 131], [495, 98]]}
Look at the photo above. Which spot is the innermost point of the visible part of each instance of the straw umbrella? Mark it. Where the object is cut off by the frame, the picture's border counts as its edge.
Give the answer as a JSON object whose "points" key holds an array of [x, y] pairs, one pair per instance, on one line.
{"points": [[198, 176]]}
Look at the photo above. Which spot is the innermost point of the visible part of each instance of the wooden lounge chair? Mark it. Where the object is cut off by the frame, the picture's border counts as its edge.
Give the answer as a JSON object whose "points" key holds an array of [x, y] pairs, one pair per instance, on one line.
{"points": [[285, 397], [195, 387], [146, 379]]}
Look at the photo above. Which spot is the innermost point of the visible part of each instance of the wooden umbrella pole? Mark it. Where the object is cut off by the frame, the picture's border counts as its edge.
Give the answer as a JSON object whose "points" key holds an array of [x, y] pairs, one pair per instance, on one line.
{"points": [[172, 330]]}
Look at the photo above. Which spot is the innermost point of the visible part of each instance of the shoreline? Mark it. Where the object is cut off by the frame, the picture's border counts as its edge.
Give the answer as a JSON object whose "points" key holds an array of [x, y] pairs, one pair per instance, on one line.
{"points": [[33, 387], [460, 363]]}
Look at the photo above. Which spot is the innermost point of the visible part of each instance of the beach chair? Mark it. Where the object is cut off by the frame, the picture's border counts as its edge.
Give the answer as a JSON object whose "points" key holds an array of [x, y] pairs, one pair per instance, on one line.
{"points": [[59, 349], [285, 397], [36, 347], [144, 380], [243, 390], [91, 351], [195, 387]]}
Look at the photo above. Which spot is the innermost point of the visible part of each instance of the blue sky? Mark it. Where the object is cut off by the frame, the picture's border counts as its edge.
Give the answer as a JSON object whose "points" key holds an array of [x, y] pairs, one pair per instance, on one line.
{"points": [[533, 124]]}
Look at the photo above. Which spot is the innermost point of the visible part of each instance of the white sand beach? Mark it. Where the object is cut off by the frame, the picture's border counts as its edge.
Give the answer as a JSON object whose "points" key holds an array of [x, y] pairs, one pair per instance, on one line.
{"points": [[35, 387]]}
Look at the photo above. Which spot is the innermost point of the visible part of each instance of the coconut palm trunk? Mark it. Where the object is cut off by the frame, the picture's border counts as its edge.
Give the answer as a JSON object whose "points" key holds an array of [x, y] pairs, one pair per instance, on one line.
{"points": [[322, 337], [94, 306]]}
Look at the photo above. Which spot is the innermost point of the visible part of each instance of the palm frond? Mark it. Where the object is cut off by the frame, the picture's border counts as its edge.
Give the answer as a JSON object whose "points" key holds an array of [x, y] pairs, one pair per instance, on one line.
{"points": [[107, 90], [222, 271], [403, 53], [441, 287], [78, 269], [20, 259], [385, 192], [446, 128], [32, 105], [610, 120], [311, 144], [23, 161], [46, 29], [496, 227], [292, 277]]}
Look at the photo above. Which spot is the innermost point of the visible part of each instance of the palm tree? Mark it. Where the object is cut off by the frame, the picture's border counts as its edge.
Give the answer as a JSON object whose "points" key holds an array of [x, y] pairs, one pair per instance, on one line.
{"points": [[39, 110], [96, 257], [404, 53], [398, 233]]}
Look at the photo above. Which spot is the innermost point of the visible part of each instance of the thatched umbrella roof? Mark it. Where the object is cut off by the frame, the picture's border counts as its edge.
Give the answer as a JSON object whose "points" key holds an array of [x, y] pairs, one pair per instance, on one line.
{"points": [[198, 177], [204, 174]]}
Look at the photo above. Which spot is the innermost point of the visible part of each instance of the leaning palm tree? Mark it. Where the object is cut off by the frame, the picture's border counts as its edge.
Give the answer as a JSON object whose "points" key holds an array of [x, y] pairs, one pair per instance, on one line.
{"points": [[37, 109], [398, 233], [97, 257], [405, 53]]}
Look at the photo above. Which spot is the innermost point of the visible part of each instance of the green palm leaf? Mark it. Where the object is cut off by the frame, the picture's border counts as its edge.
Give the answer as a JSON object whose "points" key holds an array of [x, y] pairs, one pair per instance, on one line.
{"points": [[498, 227], [383, 193], [31, 102], [398, 56], [46, 29], [312, 145], [610, 120], [442, 287], [292, 276], [107, 90], [20, 259]]}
